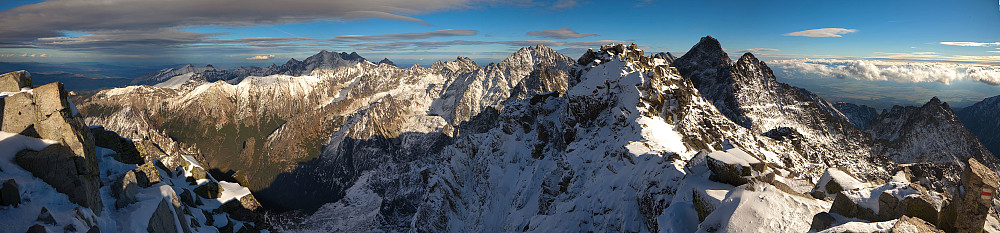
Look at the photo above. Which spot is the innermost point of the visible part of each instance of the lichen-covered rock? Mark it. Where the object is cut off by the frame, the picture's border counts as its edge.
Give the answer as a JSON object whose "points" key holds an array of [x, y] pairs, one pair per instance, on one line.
{"points": [[198, 173], [147, 175], [162, 220], [210, 190], [14, 81], [57, 165], [9, 194], [920, 207]]}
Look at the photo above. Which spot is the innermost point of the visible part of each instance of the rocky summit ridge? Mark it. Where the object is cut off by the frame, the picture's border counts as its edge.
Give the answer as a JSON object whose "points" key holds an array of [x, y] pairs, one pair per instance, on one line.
{"points": [[60, 175], [615, 140]]}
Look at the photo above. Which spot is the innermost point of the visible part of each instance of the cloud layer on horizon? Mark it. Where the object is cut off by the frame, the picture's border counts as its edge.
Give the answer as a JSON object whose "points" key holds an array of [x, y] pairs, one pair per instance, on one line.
{"points": [[871, 70]]}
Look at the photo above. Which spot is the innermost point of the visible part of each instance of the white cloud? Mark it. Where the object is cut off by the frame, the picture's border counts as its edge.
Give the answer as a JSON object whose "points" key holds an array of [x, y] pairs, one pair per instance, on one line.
{"points": [[562, 33], [972, 44], [823, 32], [988, 75], [261, 57], [758, 50], [898, 71]]}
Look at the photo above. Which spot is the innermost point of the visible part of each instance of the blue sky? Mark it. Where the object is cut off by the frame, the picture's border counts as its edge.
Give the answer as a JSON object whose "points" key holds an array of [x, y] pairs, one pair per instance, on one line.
{"points": [[239, 32]]}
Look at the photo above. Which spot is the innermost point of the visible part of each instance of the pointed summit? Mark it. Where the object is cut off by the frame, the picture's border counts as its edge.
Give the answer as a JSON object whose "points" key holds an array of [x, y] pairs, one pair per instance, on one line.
{"points": [[387, 62]]}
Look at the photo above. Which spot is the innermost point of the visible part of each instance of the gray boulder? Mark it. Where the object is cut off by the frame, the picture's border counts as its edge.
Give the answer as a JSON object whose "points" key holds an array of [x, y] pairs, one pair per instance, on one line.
{"points": [[822, 220], [210, 190], [14, 81], [45, 217], [244, 209], [733, 167], [972, 204], [187, 198], [125, 189], [910, 224], [55, 122], [19, 114], [9, 194], [56, 165], [37, 229], [162, 220]]}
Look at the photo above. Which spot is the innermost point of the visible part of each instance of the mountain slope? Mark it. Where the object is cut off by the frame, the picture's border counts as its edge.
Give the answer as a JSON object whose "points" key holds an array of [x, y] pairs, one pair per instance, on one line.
{"points": [[747, 92], [859, 115], [983, 119]]}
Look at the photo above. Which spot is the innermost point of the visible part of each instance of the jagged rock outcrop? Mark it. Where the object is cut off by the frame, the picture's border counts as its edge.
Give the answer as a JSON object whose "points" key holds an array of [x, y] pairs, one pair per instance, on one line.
{"points": [[973, 202], [859, 115], [930, 134], [983, 120], [747, 92], [55, 153]]}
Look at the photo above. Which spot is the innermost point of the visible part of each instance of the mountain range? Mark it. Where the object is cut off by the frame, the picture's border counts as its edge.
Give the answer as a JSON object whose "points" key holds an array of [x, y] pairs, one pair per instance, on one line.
{"points": [[615, 140]]}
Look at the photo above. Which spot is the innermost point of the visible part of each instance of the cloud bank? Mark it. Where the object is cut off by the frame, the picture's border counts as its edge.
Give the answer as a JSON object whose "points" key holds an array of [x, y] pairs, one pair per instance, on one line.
{"points": [[562, 33], [823, 32], [972, 44], [945, 73]]}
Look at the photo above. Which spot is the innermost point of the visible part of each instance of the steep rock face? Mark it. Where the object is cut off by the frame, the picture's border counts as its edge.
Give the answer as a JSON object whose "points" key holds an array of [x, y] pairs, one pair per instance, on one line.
{"points": [[45, 112], [472, 92], [983, 119], [747, 92], [859, 115], [928, 134]]}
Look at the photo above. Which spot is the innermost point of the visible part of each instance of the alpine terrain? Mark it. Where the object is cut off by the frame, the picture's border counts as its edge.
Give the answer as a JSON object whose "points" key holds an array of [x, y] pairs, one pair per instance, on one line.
{"points": [[616, 140]]}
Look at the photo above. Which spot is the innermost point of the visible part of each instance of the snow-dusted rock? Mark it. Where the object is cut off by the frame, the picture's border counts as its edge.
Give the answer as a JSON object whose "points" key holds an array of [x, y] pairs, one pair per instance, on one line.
{"points": [[15, 81]]}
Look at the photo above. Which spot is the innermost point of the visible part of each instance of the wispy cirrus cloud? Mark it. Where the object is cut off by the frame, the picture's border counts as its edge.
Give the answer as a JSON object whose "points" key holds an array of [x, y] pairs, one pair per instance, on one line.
{"points": [[562, 33], [823, 32], [406, 36], [972, 44]]}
